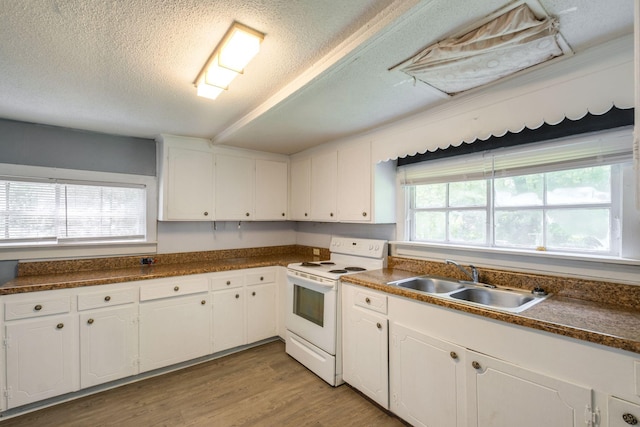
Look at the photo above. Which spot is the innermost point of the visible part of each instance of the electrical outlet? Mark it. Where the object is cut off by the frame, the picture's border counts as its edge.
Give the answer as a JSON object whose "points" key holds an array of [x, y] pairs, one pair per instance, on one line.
{"points": [[316, 252], [147, 261]]}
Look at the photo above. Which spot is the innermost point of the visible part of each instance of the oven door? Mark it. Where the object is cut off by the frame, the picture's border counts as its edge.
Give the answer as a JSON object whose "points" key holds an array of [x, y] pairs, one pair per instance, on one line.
{"points": [[312, 310]]}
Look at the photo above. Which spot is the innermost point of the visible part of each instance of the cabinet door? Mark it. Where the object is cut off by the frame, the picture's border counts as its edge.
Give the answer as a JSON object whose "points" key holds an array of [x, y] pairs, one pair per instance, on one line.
{"points": [[324, 175], [300, 204], [426, 379], [261, 312], [505, 395], [228, 319], [365, 354], [354, 183], [234, 187], [189, 185], [271, 190], [42, 359], [108, 345], [174, 330]]}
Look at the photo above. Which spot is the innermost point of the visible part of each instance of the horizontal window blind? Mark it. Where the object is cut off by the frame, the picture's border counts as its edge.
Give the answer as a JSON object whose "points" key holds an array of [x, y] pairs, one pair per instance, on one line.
{"points": [[50, 212], [601, 148]]}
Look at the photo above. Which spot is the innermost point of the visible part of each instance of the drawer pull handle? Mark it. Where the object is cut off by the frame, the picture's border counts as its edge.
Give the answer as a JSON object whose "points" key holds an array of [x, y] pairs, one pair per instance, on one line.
{"points": [[253, 294], [379, 325], [203, 302], [367, 300], [206, 214], [261, 278], [176, 288], [283, 214], [90, 321], [630, 419], [364, 214], [475, 365], [60, 325], [247, 214], [37, 307], [453, 355], [107, 298], [228, 282], [237, 296]]}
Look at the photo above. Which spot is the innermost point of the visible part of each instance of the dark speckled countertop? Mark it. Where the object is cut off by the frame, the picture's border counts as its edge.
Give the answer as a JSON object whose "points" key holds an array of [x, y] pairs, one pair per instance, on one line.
{"points": [[50, 275], [610, 324]]}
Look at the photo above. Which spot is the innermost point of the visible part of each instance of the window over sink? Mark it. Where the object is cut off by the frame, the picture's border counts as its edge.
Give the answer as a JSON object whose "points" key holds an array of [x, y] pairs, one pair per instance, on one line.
{"points": [[562, 196]]}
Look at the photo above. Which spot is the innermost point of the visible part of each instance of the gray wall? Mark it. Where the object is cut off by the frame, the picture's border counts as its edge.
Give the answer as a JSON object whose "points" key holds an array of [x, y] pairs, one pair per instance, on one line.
{"points": [[40, 145]]}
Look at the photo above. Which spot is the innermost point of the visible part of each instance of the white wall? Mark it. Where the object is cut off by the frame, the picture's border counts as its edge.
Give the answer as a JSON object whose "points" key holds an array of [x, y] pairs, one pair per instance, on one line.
{"points": [[318, 234], [201, 236]]}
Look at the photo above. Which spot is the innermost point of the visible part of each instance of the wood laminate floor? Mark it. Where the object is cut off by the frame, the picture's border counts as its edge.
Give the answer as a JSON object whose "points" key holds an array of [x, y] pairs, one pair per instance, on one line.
{"points": [[262, 386]]}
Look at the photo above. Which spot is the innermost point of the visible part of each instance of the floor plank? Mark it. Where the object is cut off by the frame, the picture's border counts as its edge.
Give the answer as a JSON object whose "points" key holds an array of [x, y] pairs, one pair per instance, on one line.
{"points": [[262, 386]]}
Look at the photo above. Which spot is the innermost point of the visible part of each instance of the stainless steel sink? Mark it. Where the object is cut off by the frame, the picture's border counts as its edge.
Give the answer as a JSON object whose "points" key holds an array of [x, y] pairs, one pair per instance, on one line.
{"points": [[432, 285], [511, 300]]}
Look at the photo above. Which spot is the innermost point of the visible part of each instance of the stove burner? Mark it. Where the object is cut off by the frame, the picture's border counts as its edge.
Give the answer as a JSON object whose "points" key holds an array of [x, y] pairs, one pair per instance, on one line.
{"points": [[338, 271], [309, 264], [355, 269], [328, 263]]}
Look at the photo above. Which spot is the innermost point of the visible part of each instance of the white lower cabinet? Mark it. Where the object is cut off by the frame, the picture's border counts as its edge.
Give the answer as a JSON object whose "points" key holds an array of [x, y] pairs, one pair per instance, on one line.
{"points": [[41, 358], [228, 319], [108, 344], [622, 413], [365, 348], [426, 378], [503, 395], [174, 330]]}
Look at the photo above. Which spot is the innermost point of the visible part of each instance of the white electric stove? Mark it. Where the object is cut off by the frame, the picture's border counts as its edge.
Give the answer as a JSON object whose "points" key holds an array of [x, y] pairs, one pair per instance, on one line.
{"points": [[313, 303]]}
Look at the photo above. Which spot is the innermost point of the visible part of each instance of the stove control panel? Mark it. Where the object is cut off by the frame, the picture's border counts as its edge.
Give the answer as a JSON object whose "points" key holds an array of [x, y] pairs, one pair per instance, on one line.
{"points": [[360, 247]]}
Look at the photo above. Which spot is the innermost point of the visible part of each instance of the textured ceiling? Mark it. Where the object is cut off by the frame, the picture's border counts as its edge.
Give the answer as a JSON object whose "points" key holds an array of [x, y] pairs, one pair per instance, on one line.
{"points": [[127, 67]]}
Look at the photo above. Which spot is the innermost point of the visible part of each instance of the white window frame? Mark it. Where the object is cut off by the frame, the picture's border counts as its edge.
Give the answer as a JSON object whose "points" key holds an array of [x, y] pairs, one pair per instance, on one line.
{"points": [[85, 249], [624, 268]]}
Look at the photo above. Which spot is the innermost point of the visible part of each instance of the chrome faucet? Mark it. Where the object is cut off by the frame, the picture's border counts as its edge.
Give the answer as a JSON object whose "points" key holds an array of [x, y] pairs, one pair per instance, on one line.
{"points": [[473, 274]]}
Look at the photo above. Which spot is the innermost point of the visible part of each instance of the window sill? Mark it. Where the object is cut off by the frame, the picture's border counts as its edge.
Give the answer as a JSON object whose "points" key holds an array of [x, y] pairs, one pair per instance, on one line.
{"points": [[75, 250], [623, 270]]}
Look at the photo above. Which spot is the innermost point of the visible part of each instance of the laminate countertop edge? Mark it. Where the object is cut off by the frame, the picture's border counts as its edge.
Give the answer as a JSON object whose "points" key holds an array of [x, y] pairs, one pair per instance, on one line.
{"points": [[603, 324]]}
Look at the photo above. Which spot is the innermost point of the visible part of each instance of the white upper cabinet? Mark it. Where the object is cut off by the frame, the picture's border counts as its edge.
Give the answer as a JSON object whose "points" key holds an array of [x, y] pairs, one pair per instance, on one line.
{"points": [[186, 179], [235, 187], [300, 202], [354, 183], [342, 185], [271, 192], [324, 175]]}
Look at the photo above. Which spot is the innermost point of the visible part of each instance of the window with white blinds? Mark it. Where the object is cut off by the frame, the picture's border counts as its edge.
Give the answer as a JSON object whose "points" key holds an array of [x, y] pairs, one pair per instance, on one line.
{"points": [[48, 211]]}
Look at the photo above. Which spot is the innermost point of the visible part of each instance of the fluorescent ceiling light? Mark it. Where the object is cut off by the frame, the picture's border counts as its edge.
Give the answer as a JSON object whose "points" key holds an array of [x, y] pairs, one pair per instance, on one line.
{"points": [[238, 46]]}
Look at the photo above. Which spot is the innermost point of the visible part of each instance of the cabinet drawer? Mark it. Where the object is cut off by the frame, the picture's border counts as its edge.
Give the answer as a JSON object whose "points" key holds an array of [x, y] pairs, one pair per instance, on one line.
{"points": [[622, 413], [106, 298], [36, 308], [372, 301], [171, 288], [258, 277], [227, 281]]}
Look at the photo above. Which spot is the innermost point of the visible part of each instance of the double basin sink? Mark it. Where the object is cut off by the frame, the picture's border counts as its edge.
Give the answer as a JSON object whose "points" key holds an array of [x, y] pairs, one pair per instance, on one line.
{"points": [[478, 294]]}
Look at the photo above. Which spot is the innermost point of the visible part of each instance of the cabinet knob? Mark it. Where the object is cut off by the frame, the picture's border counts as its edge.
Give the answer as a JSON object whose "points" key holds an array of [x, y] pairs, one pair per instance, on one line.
{"points": [[331, 214], [203, 302], [261, 278], [476, 365], [367, 300], [453, 355], [379, 325], [37, 307], [237, 296], [630, 419], [176, 288], [206, 214], [306, 214], [228, 282], [90, 321], [107, 298], [364, 214], [283, 214], [60, 325], [253, 294], [246, 214]]}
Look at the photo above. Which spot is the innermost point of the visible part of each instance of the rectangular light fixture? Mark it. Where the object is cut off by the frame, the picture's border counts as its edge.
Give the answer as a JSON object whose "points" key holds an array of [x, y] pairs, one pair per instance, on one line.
{"points": [[238, 46]]}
